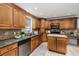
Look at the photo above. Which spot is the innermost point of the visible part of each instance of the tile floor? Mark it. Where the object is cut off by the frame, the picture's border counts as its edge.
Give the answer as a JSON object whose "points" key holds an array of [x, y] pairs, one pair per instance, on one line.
{"points": [[72, 50]]}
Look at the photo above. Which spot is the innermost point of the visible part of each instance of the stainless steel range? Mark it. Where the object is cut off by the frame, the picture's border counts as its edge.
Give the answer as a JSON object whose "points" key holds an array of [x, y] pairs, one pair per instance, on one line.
{"points": [[55, 28]]}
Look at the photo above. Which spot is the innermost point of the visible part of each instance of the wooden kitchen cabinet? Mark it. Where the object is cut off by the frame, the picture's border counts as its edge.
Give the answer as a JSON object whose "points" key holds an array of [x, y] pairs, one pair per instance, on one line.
{"points": [[22, 20], [44, 37], [34, 23], [52, 43], [11, 17], [47, 24], [68, 23], [38, 24], [35, 41], [43, 23], [40, 39], [65, 23], [16, 17], [6, 16], [58, 44], [11, 53], [77, 40], [10, 50], [32, 45], [61, 45], [19, 19]]}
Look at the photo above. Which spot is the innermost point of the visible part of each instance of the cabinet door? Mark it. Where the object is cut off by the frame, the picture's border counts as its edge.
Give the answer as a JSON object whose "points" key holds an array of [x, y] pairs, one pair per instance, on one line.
{"points": [[44, 37], [22, 20], [40, 39], [5, 15], [47, 24], [42, 23], [67, 24], [16, 18], [52, 43], [19, 19], [11, 53], [33, 44], [61, 45], [33, 23], [38, 22]]}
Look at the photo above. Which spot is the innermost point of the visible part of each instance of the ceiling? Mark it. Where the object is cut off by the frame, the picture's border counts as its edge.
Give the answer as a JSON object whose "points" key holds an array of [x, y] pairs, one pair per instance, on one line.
{"points": [[48, 10]]}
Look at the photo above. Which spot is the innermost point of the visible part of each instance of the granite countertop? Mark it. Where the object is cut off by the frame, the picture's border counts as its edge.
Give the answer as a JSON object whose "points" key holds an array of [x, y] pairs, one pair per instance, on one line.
{"points": [[11, 41], [58, 35]]}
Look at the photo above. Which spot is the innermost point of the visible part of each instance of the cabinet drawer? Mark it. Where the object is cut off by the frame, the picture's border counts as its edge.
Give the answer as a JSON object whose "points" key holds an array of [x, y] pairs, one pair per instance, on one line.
{"points": [[13, 52], [7, 48]]}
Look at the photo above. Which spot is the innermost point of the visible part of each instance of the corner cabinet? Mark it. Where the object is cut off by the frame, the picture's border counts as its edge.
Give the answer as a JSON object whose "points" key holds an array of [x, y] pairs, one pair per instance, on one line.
{"points": [[5, 15]]}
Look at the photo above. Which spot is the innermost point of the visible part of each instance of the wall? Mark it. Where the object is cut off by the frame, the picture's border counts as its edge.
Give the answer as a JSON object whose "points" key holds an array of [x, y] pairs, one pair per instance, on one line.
{"points": [[6, 34], [68, 32]]}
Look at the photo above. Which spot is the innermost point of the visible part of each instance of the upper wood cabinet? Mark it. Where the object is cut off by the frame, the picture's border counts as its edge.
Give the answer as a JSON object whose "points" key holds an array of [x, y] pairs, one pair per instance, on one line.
{"points": [[5, 15], [19, 19], [22, 20], [16, 17], [35, 23], [47, 24], [69, 23], [66, 23], [11, 17], [38, 23], [43, 23]]}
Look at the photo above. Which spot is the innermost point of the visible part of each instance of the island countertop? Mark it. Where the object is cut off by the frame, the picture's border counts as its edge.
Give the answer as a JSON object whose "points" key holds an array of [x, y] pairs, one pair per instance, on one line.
{"points": [[58, 35], [57, 42]]}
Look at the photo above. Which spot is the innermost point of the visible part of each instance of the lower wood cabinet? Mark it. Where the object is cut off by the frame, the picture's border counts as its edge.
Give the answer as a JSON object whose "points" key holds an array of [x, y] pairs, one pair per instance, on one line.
{"points": [[58, 44], [33, 44], [78, 40], [44, 37], [10, 50], [52, 43], [11, 53], [35, 41], [61, 44], [40, 39]]}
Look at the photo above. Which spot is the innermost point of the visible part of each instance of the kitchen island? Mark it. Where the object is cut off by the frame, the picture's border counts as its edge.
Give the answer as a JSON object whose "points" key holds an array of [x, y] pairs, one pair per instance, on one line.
{"points": [[57, 42]]}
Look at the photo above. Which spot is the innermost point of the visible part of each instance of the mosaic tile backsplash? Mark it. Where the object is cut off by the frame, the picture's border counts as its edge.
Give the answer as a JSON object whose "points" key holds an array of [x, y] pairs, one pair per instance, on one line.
{"points": [[6, 34]]}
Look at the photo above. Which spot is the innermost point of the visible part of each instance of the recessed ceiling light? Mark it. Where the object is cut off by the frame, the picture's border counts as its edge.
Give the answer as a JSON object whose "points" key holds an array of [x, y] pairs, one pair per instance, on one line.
{"points": [[35, 8]]}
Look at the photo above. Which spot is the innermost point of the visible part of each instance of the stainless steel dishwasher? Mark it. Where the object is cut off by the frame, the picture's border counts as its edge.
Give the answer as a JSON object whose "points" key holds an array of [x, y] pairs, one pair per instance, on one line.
{"points": [[24, 47]]}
